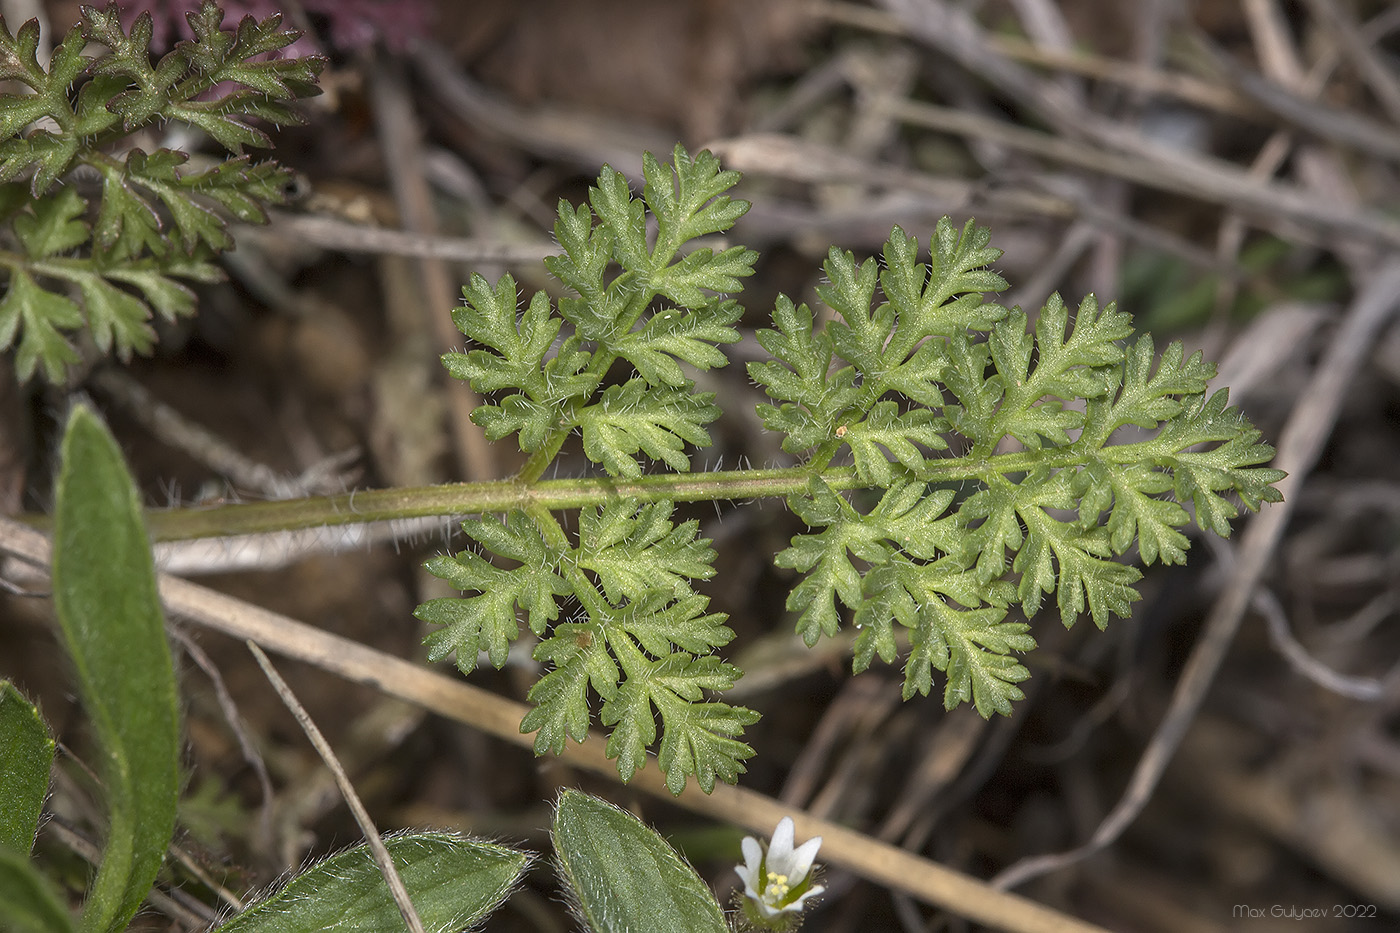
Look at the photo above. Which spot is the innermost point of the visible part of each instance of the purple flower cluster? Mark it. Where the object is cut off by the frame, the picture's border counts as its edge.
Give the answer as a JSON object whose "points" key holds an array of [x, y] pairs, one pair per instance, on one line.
{"points": [[350, 24]]}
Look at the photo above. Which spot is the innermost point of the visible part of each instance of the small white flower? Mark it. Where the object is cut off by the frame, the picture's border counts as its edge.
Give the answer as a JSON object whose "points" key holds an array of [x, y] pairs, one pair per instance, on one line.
{"points": [[777, 877]]}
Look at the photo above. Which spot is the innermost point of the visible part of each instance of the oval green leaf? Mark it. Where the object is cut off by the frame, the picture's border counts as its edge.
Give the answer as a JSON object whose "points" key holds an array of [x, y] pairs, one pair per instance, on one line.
{"points": [[109, 611], [623, 876], [453, 881], [26, 752]]}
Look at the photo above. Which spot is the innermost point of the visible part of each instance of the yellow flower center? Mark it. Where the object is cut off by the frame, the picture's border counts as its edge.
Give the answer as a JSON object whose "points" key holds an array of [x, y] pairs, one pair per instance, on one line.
{"points": [[777, 888]]}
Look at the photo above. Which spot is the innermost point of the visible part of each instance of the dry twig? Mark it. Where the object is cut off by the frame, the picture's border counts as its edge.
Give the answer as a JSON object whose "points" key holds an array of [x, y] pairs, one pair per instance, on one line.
{"points": [[347, 790]]}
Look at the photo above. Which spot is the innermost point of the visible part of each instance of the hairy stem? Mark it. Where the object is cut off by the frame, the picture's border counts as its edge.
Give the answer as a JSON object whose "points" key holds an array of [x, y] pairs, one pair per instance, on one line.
{"points": [[377, 505], [469, 498]]}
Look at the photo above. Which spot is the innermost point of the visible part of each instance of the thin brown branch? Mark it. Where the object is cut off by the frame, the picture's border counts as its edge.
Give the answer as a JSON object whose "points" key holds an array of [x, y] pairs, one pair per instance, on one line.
{"points": [[382, 858]]}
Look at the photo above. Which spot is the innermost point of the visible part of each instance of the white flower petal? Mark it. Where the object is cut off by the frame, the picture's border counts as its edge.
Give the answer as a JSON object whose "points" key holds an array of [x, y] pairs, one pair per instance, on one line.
{"points": [[780, 849], [770, 873], [753, 864], [803, 858], [753, 852]]}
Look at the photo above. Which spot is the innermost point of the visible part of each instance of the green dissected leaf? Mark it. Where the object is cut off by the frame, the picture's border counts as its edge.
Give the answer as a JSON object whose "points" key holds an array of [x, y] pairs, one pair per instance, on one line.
{"points": [[687, 281], [623, 877], [481, 623], [490, 319], [580, 659], [488, 622], [169, 87], [49, 154], [1066, 370], [688, 201], [812, 397], [1201, 475], [671, 335], [887, 600], [698, 737], [1067, 559], [860, 336], [910, 516], [241, 186], [119, 319], [116, 318], [28, 902], [26, 753], [646, 657], [657, 421], [901, 433], [583, 267], [624, 219], [914, 360], [36, 316], [19, 56], [950, 630], [223, 120], [212, 812], [110, 615], [196, 223], [973, 647], [516, 359], [54, 226], [629, 712], [948, 300], [221, 55], [964, 367], [1144, 397], [127, 224], [1136, 516], [825, 558], [697, 734], [661, 620], [129, 59], [611, 318], [454, 881], [635, 549], [238, 187], [907, 519], [920, 378], [94, 100], [687, 198], [978, 395], [170, 298]]}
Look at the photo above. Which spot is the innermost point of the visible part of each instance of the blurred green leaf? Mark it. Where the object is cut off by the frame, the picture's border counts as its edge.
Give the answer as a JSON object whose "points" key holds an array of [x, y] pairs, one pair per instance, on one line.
{"points": [[110, 615], [28, 903]]}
